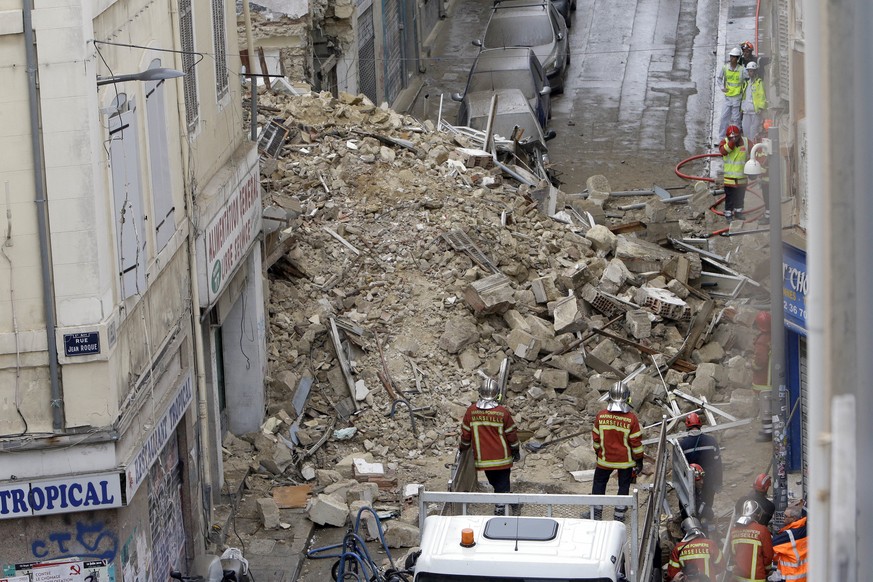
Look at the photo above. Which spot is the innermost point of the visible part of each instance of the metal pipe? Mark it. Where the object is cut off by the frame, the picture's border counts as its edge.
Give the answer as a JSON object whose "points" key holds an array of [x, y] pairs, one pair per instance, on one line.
{"points": [[777, 321], [247, 14], [48, 303]]}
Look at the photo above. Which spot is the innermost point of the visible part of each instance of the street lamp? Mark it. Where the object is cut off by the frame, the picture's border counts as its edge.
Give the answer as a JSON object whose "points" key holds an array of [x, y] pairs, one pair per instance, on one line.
{"points": [[770, 147], [156, 74]]}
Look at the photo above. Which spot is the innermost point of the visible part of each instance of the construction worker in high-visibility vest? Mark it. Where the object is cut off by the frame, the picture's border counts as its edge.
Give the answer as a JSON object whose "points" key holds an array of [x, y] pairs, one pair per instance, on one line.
{"points": [[753, 104], [761, 375], [751, 546], [730, 80]]}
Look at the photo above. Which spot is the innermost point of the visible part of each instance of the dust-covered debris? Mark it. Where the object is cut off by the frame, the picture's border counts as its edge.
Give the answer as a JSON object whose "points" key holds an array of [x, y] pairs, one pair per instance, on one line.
{"points": [[371, 197]]}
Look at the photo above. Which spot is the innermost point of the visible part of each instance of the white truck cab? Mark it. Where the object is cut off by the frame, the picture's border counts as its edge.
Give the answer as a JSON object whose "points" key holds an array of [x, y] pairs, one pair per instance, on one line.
{"points": [[470, 548]]}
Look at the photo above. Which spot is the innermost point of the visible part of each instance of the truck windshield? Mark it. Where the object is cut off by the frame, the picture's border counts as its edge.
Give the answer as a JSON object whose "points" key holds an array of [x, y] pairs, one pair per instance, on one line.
{"points": [[428, 577]]}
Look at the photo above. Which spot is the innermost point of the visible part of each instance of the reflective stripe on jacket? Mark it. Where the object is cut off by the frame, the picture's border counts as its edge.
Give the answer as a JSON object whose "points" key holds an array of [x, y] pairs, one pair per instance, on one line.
{"points": [[492, 434], [703, 553], [735, 161], [790, 549], [752, 549], [617, 439]]}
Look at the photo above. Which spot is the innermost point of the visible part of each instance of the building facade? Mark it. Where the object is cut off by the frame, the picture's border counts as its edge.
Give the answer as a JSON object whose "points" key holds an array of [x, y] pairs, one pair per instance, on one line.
{"points": [[132, 313]]}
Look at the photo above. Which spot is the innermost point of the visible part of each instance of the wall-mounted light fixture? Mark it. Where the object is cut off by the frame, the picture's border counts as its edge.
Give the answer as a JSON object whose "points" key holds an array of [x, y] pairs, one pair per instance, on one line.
{"points": [[156, 74]]}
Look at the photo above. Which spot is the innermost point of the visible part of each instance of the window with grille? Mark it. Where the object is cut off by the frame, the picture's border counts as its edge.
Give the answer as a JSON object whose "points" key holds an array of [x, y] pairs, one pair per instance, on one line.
{"points": [[186, 32], [219, 38]]}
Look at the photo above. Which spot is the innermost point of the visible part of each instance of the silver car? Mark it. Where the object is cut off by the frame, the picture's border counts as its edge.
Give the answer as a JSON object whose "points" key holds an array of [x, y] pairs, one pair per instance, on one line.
{"points": [[535, 24], [508, 68]]}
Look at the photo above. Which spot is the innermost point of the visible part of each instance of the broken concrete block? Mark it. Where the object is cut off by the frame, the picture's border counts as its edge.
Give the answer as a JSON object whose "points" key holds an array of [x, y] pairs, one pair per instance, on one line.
{"points": [[656, 211], [673, 377], [569, 316], [598, 189], [340, 490], [459, 333], [324, 477], [575, 276], [638, 324], [711, 352], [491, 294], [368, 520], [680, 290], [606, 350], [744, 403], [328, 510], [679, 268], [308, 472], [523, 345], [712, 370], [469, 359], [703, 387], [602, 239], [580, 459], [664, 303], [739, 373], [516, 320], [640, 256], [401, 535], [601, 382], [346, 465], [613, 278], [573, 363], [536, 393], [555, 379], [367, 492], [269, 512], [361, 391], [544, 289], [540, 328]]}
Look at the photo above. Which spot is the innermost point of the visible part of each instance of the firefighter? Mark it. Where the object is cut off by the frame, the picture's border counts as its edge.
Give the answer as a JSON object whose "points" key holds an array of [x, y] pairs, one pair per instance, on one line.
{"points": [[734, 149], [758, 494], [751, 546], [695, 554], [489, 428], [703, 450], [618, 444], [789, 545]]}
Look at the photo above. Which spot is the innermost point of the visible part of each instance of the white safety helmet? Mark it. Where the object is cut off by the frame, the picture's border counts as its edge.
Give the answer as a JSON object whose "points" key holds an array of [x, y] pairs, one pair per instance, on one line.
{"points": [[751, 512], [736, 52], [752, 66], [488, 390], [618, 398]]}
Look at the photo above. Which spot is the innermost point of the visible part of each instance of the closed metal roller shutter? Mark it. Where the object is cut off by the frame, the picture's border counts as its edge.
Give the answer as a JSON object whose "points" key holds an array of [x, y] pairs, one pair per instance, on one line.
{"points": [[804, 393], [430, 15], [391, 23], [367, 55]]}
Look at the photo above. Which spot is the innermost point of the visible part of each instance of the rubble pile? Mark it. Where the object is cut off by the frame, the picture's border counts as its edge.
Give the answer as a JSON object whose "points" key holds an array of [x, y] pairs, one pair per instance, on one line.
{"points": [[405, 265]]}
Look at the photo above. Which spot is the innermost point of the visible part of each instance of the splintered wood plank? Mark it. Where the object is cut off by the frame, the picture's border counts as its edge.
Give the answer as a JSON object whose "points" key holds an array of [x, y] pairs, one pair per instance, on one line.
{"points": [[292, 496]]}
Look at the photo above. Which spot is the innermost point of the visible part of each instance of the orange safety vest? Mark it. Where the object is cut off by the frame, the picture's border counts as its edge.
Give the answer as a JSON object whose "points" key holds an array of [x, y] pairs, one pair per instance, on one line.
{"points": [[791, 554]]}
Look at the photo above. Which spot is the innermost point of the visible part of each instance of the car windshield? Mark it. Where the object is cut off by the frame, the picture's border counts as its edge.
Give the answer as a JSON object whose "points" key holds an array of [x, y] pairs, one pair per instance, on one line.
{"points": [[491, 80], [522, 29]]}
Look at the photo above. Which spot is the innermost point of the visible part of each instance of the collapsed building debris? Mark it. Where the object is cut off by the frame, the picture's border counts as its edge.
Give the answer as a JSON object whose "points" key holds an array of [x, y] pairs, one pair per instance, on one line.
{"points": [[416, 266]]}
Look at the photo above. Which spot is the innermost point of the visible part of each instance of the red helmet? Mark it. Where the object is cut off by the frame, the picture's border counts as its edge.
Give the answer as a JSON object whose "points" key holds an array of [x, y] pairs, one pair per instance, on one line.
{"points": [[762, 483], [698, 471], [748, 46], [732, 130], [762, 320], [693, 421]]}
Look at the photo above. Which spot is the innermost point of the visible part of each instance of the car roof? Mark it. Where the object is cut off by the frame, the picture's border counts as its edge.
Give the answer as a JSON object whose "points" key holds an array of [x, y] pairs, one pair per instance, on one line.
{"points": [[504, 58]]}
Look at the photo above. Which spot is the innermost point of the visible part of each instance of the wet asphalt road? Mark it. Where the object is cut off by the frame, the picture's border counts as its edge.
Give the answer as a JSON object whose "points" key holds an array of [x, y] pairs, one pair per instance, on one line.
{"points": [[638, 92]]}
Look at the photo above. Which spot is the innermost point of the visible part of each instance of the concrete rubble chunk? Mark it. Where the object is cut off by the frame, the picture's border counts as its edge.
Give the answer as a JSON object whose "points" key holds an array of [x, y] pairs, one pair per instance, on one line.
{"points": [[638, 324], [516, 320], [368, 520], [680, 290], [491, 294], [573, 363], [569, 316], [346, 465], [711, 370], [544, 289], [614, 276], [739, 372], [540, 328], [598, 189], [328, 510], [367, 492], [469, 359], [269, 511], [536, 393], [703, 388], [606, 350], [640, 256], [710, 352], [523, 345], [602, 239], [663, 302], [361, 391], [555, 379], [401, 535], [459, 333], [580, 459], [656, 211], [575, 276]]}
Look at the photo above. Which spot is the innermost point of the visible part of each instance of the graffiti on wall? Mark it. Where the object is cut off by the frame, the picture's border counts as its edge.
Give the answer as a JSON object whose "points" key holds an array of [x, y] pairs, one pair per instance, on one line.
{"points": [[87, 540], [165, 512]]}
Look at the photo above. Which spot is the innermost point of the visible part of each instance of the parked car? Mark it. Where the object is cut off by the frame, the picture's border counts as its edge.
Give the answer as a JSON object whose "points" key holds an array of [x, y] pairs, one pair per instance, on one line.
{"points": [[535, 24], [507, 68], [514, 121], [564, 8]]}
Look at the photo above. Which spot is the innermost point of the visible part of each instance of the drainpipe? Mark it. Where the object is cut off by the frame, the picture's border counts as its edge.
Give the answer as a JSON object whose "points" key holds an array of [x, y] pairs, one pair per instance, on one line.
{"points": [[57, 397], [247, 14]]}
